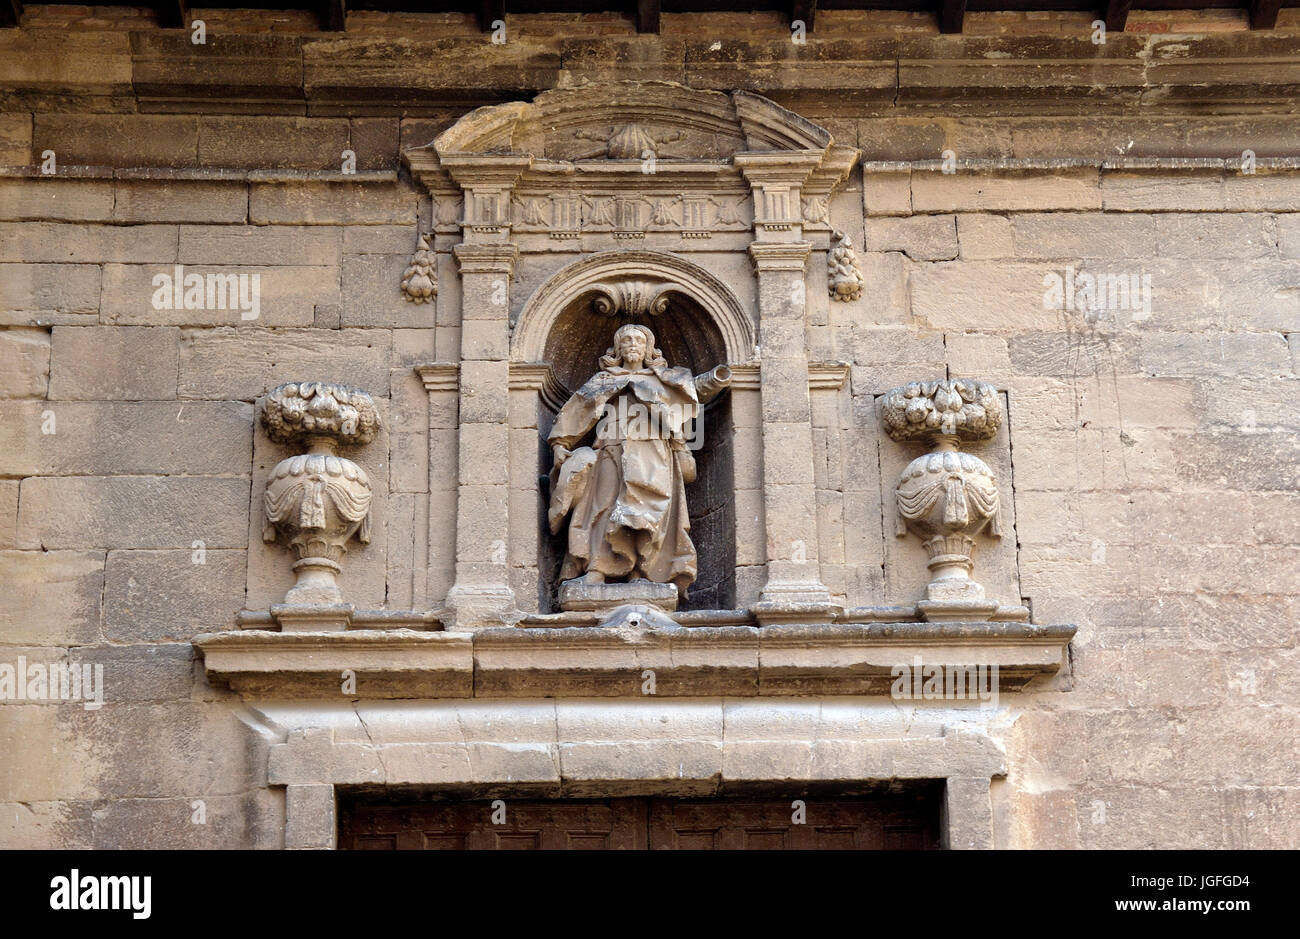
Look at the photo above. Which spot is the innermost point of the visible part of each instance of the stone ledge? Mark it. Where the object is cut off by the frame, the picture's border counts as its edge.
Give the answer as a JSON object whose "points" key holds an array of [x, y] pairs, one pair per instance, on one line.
{"points": [[583, 661], [386, 663]]}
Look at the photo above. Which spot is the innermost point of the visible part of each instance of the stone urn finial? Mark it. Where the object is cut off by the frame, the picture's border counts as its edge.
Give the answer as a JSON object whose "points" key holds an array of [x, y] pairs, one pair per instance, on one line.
{"points": [[318, 500], [947, 497]]}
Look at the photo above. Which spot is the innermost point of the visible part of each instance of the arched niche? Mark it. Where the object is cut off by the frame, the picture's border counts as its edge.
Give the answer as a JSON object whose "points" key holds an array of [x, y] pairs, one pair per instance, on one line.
{"points": [[569, 324]]}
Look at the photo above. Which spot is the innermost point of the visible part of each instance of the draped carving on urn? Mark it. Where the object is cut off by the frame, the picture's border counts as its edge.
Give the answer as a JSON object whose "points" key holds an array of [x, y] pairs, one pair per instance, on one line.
{"points": [[316, 501], [947, 497], [420, 279]]}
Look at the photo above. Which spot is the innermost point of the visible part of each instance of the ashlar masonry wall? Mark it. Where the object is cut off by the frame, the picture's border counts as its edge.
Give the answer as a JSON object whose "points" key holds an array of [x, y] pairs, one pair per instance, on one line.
{"points": [[1151, 462]]}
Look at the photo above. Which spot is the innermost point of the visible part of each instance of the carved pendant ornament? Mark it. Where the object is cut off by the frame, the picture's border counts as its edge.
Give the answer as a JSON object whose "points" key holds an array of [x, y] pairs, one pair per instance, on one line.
{"points": [[316, 501], [846, 281], [420, 280], [947, 497]]}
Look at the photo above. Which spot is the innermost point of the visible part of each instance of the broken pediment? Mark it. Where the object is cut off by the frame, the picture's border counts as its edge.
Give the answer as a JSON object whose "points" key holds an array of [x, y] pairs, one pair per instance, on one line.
{"points": [[631, 121]]}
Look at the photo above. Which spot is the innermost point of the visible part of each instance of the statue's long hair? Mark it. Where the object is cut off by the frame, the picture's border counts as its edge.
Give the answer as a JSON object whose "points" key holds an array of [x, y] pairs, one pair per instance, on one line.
{"points": [[654, 357]]}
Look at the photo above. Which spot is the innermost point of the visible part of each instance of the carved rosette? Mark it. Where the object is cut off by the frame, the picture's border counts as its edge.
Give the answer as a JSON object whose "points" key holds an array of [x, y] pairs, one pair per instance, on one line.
{"points": [[317, 501], [845, 280], [420, 280], [947, 497]]}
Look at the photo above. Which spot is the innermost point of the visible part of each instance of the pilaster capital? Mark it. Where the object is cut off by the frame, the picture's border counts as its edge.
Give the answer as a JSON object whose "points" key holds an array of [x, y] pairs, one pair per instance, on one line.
{"points": [[439, 376], [780, 255], [497, 258]]}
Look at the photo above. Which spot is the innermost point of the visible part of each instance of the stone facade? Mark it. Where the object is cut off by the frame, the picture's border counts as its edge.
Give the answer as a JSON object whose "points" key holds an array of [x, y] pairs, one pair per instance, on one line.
{"points": [[1084, 254]]}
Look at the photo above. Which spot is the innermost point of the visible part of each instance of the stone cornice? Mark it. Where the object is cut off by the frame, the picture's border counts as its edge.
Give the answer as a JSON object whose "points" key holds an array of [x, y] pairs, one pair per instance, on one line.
{"points": [[847, 658]]}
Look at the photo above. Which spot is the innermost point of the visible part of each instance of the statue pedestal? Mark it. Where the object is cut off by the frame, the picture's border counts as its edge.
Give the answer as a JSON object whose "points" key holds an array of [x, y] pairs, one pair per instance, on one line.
{"points": [[578, 595]]}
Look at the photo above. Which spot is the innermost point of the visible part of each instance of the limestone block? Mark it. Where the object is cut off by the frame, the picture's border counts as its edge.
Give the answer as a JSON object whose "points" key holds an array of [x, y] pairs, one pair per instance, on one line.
{"points": [[253, 819], [63, 243], [982, 237], [310, 817], [231, 66], [46, 289], [86, 62], [278, 245], [372, 294], [151, 200], [887, 193], [141, 673], [15, 139], [171, 595], [118, 139], [285, 296], [121, 438], [45, 825], [967, 191], [132, 511], [271, 142], [990, 295], [330, 204], [43, 200], [131, 363], [920, 237], [8, 513], [1158, 192], [48, 772], [24, 363], [51, 597], [1085, 235], [1230, 355], [244, 363]]}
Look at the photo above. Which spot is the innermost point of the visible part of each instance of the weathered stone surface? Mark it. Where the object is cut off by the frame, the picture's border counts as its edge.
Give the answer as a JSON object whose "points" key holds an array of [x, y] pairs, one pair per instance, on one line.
{"points": [[148, 200], [246, 363], [920, 237], [103, 438], [171, 595], [131, 363], [61, 199], [55, 243], [51, 597], [24, 363], [132, 511], [40, 290], [330, 204]]}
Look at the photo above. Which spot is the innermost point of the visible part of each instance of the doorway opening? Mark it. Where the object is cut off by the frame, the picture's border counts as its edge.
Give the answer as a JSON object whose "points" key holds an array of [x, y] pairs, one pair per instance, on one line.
{"points": [[903, 817]]}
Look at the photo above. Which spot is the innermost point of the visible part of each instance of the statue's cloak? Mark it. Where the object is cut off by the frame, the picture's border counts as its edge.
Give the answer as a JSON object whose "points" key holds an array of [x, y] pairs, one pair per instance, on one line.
{"points": [[626, 492]]}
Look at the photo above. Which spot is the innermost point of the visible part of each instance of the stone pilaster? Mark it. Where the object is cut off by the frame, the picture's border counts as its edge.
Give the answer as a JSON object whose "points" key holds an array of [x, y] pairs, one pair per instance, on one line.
{"points": [[481, 594], [793, 590]]}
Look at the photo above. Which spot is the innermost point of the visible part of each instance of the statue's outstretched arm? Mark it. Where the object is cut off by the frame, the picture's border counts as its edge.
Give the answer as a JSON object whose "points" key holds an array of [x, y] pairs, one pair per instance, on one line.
{"points": [[711, 384]]}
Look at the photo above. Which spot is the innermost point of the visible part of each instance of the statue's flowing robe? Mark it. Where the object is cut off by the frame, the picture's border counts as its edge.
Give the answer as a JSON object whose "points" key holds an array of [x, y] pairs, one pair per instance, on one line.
{"points": [[627, 491]]}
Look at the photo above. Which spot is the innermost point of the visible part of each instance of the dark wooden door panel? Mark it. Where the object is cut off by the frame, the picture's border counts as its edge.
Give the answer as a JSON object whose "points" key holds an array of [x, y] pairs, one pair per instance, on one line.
{"points": [[890, 822]]}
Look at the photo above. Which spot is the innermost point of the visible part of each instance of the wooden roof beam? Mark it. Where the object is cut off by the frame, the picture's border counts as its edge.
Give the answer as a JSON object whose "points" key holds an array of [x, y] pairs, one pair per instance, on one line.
{"points": [[173, 14], [333, 15], [1263, 13], [647, 16], [805, 10], [951, 15], [1115, 15], [11, 11]]}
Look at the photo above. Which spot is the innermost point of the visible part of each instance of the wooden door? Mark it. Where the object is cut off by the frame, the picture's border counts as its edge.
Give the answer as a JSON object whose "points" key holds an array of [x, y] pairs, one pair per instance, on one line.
{"points": [[884, 822]]}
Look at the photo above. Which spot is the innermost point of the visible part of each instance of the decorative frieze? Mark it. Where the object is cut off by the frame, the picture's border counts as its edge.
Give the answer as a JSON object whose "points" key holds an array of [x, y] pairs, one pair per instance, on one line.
{"points": [[317, 501], [947, 497]]}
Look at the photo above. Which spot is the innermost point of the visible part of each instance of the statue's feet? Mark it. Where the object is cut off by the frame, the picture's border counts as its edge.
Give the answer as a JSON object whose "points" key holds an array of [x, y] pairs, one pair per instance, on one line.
{"points": [[593, 577]]}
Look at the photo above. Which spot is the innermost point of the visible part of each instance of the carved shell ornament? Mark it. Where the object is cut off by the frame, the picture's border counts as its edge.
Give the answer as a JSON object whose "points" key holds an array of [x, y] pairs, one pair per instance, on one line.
{"points": [[634, 298], [626, 142]]}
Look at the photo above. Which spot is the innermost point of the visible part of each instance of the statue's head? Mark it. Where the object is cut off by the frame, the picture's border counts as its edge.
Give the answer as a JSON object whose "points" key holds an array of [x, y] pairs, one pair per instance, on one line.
{"points": [[634, 346]]}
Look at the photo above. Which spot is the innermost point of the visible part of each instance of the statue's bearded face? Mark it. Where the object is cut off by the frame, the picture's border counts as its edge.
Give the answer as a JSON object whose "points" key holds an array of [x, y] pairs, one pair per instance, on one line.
{"points": [[631, 346]]}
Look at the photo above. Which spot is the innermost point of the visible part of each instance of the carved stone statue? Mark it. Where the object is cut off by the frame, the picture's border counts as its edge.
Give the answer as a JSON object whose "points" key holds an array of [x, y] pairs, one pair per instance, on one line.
{"points": [[624, 492]]}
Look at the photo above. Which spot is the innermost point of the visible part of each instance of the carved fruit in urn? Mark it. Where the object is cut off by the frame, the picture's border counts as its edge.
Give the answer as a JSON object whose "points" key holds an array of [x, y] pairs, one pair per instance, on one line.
{"points": [[947, 497], [316, 501]]}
